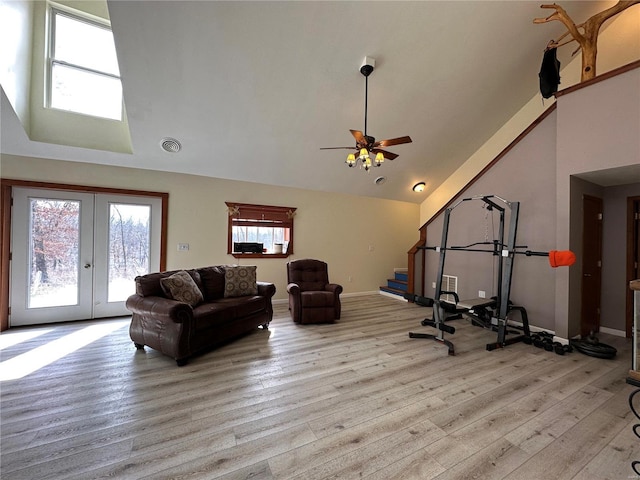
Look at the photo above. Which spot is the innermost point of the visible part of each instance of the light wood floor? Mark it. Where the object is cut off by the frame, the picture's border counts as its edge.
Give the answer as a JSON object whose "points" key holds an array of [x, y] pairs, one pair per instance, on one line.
{"points": [[358, 399]]}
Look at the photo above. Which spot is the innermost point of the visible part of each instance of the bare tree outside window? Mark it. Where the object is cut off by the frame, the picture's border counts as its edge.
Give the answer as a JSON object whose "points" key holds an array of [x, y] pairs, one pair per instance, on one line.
{"points": [[54, 245], [129, 244]]}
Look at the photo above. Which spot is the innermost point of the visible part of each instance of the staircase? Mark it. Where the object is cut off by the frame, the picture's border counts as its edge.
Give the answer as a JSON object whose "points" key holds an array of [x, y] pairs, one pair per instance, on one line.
{"points": [[397, 286]]}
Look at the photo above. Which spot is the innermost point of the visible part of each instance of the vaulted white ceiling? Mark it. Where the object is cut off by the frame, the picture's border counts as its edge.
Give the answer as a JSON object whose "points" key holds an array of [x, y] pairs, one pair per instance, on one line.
{"points": [[252, 90]]}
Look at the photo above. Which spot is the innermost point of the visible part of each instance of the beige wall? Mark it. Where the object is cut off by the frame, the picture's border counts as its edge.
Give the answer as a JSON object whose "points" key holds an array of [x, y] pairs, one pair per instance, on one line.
{"points": [[16, 30], [597, 129], [526, 174], [593, 129], [618, 45], [339, 229]]}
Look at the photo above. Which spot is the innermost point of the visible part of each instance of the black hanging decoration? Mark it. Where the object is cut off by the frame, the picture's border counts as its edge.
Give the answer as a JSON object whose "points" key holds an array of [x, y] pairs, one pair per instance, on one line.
{"points": [[549, 73]]}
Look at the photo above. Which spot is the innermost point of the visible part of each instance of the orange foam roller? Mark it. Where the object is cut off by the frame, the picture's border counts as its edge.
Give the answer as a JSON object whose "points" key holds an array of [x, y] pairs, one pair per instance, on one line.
{"points": [[561, 258]]}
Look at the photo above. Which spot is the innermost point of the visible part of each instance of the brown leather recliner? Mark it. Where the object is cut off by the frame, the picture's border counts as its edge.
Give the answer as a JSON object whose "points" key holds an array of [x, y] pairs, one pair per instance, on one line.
{"points": [[312, 299]]}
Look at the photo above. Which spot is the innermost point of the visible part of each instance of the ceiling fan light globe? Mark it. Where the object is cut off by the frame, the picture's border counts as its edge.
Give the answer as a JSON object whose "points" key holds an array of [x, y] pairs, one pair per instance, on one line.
{"points": [[379, 158]]}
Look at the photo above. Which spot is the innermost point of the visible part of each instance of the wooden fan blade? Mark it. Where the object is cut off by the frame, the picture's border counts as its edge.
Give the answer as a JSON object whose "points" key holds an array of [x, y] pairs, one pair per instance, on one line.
{"points": [[359, 136], [387, 155], [336, 148], [392, 141]]}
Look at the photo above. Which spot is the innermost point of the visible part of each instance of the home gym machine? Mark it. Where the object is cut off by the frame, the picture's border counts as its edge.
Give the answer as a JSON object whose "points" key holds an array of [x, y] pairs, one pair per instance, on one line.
{"points": [[491, 312]]}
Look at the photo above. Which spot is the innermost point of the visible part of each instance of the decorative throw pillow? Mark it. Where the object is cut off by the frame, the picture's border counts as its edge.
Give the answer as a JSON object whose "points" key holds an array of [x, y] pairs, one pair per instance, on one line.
{"points": [[240, 281], [212, 279], [181, 286]]}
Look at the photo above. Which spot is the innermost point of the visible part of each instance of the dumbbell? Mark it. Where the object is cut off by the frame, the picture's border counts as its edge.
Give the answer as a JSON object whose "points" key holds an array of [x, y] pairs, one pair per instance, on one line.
{"points": [[561, 349], [539, 339]]}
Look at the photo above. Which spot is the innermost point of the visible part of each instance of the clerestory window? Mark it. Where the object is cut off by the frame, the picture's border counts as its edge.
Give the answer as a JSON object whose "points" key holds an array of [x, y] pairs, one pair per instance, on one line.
{"points": [[83, 73], [260, 230]]}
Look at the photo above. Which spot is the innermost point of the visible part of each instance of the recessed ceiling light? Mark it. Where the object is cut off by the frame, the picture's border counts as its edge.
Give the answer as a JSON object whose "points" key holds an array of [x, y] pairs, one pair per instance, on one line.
{"points": [[170, 145], [419, 187], [380, 180]]}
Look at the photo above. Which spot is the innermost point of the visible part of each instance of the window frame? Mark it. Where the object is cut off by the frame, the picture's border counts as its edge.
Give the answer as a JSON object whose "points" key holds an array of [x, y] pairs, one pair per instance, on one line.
{"points": [[51, 60], [283, 216]]}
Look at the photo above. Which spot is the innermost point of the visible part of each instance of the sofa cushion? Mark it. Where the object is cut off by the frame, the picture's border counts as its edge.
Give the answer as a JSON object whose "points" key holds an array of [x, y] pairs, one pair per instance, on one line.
{"points": [[245, 306], [149, 285], [182, 287], [227, 310], [240, 281], [207, 315], [212, 279]]}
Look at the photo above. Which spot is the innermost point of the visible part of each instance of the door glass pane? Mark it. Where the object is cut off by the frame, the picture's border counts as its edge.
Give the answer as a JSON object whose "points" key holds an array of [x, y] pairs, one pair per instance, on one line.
{"points": [[129, 248], [53, 246]]}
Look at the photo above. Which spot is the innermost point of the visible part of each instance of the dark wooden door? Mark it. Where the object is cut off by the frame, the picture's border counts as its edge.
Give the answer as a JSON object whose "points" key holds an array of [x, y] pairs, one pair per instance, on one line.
{"points": [[591, 264]]}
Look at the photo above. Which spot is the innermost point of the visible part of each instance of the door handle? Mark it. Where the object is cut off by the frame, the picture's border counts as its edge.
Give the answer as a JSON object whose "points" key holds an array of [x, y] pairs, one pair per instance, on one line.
{"points": [[87, 265]]}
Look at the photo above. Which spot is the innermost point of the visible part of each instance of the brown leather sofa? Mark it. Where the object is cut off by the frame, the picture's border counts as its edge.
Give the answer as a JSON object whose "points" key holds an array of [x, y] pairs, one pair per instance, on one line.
{"points": [[312, 299], [181, 330]]}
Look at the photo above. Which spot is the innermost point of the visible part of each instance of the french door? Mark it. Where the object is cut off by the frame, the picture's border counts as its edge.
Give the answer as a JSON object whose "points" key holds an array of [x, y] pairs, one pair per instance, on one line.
{"points": [[75, 255]]}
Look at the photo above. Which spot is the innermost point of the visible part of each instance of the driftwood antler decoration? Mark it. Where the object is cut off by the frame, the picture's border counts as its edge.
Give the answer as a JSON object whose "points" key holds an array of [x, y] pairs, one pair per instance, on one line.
{"points": [[586, 34]]}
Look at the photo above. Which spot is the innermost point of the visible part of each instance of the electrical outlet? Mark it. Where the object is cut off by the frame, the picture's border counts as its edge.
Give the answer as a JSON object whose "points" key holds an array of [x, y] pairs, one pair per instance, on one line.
{"points": [[433, 285], [183, 247], [350, 278], [482, 294]]}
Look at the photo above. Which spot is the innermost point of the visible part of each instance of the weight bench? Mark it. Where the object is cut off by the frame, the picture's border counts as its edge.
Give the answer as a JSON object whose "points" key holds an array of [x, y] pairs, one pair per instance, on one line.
{"points": [[478, 309], [482, 313], [476, 303]]}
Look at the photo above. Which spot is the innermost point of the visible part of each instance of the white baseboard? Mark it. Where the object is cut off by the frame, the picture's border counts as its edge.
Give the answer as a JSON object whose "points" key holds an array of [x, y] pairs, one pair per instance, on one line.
{"points": [[392, 295], [613, 331], [608, 331], [534, 329], [358, 294], [342, 295]]}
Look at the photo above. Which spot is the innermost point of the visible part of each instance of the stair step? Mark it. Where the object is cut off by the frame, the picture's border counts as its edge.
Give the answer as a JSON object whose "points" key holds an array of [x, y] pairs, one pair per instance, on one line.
{"points": [[397, 284], [395, 291]]}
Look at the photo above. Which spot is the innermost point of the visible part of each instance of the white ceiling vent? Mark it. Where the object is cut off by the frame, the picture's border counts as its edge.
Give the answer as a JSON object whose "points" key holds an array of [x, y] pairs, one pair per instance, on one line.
{"points": [[170, 145], [380, 180]]}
